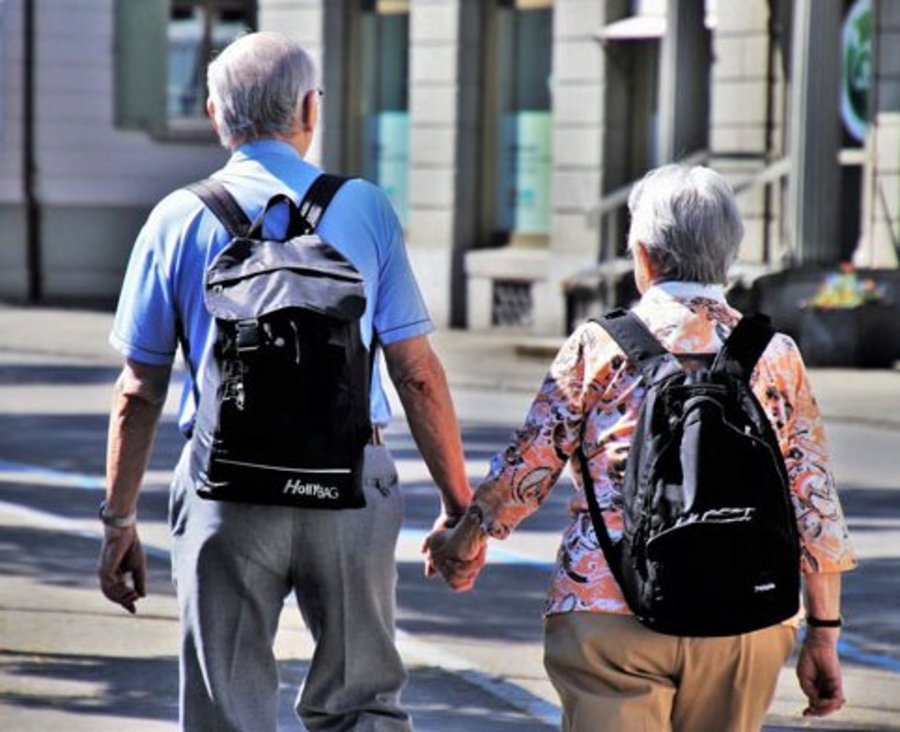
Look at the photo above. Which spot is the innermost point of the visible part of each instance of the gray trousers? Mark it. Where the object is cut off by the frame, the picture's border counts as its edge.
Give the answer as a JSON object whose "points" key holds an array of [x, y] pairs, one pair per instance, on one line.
{"points": [[233, 566]]}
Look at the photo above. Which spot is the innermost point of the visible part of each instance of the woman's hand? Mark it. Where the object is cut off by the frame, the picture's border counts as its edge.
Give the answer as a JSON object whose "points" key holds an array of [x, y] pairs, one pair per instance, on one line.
{"points": [[457, 553]]}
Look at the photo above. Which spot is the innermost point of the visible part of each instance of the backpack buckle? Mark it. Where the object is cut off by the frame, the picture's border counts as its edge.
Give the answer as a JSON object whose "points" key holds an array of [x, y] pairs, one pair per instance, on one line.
{"points": [[248, 340]]}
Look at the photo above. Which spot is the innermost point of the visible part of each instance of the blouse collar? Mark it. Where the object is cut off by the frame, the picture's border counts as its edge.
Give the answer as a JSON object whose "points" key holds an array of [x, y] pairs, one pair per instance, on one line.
{"points": [[678, 290]]}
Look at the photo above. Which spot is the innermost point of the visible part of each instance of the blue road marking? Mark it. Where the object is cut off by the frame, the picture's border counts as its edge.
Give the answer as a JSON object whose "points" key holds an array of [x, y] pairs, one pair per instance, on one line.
{"points": [[849, 651], [62, 477]]}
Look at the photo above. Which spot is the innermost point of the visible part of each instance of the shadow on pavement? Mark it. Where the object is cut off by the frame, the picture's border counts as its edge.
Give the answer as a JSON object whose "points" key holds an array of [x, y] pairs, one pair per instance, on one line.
{"points": [[30, 374], [74, 442], [81, 503], [138, 688], [869, 601], [506, 603], [65, 560], [130, 690], [437, 700]]}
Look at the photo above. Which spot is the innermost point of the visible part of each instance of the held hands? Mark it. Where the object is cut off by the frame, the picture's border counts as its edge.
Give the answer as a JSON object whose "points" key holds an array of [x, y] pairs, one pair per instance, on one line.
{"points": [[457, 550], [121, 555], [819, 672]]}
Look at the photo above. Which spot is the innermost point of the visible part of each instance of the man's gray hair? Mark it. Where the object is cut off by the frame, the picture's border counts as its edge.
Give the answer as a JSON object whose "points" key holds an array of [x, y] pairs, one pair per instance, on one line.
{"points": [[257, 85], [689, 222]]}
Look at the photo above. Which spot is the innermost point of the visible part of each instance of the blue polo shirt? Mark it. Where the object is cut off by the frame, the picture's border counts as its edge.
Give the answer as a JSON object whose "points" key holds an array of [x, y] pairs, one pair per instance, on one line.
{"points": [[164, 281]]}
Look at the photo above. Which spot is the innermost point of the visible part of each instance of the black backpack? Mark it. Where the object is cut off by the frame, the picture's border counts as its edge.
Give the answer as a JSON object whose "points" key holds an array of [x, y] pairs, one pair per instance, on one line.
{"points": [[283, 414], [710, 545]]}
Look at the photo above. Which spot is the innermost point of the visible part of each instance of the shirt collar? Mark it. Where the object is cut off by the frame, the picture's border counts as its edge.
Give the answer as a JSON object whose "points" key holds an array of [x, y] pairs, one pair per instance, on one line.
{"points": [[677, 290], [256, 149]]}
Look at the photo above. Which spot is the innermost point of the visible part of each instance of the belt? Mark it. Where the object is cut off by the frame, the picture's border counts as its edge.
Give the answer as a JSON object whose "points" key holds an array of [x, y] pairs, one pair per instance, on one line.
{"points": [[377, 437]]}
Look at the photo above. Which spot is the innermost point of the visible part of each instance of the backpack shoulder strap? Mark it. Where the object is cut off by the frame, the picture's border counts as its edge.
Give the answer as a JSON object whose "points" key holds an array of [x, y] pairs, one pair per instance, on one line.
{"points": [[217, 199], [317, 198], [744, 346], [640, 345]]}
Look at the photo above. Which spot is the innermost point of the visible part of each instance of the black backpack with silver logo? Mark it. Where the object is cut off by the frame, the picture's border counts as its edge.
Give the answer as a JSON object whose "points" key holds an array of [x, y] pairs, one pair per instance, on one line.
{"points": [[710, 545], [283, 414]]}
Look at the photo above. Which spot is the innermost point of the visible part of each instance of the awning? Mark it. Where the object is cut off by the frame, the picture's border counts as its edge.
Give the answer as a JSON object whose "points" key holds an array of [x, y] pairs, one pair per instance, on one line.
{"points": [[648, 23], [635, 28]]}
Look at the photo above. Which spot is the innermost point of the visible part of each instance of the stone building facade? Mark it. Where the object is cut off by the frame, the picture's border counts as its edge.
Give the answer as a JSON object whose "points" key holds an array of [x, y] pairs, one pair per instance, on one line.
{"points": [[506, 132]]}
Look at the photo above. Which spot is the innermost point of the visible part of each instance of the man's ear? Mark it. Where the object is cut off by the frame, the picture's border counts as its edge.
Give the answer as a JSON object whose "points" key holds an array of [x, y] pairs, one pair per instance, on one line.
{"points": [[211, 112], [307, 118]]}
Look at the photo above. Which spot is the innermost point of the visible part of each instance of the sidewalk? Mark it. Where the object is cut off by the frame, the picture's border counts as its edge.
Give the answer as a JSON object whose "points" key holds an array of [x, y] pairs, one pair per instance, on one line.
{"points": [[516, 363], [504, 361], [62, 644]]}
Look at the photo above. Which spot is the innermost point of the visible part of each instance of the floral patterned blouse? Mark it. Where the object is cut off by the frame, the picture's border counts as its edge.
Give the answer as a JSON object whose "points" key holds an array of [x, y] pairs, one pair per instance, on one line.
{"points": [[588, 405]]}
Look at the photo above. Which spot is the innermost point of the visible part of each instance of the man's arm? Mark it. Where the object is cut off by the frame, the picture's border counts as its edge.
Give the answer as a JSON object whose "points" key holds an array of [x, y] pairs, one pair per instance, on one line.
{"points": [[818, 667], [138, 399], [422, 386]]}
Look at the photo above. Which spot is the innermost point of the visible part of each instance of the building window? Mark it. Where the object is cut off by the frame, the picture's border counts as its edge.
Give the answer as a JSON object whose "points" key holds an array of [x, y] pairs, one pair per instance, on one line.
{"points": [[162, 49], [197, 31], [519, 121], [511, 304], [384, 99]]}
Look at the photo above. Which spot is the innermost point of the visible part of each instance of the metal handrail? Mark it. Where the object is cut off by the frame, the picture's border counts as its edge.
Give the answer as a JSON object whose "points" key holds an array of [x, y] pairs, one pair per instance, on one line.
{"points": [[610, 267], [619, 197], [773, 172]]}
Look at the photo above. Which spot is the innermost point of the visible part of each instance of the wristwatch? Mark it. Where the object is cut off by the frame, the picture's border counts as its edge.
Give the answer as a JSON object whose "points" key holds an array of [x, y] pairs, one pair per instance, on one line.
{"points": [[118, 522], [814, 622]]}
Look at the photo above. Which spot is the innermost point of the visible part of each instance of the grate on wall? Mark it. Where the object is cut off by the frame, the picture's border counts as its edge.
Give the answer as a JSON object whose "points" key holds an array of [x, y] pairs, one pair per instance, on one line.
{"points": [[512, 304]]}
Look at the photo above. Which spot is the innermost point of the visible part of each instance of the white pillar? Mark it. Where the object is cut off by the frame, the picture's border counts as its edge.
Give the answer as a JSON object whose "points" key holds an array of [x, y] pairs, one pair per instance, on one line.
{"points": [[444, 55], [814, 184], [684, 81]]}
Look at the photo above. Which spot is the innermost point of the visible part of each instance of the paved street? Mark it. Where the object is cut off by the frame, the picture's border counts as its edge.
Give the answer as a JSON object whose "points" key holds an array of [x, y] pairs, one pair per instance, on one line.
{"points": [[69, 660]]}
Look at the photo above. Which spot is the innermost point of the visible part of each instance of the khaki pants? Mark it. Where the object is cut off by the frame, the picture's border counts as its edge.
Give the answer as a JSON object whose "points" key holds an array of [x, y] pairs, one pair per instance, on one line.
{"points": [[612, 673]]}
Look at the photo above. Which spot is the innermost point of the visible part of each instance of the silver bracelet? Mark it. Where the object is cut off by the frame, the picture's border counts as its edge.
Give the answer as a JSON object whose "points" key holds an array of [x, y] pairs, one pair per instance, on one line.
{"points": [[118, 522]]}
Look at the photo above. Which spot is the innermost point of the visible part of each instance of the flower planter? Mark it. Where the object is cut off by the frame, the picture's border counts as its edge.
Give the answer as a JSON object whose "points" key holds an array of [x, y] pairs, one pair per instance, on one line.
{"points": [[857, 337]]}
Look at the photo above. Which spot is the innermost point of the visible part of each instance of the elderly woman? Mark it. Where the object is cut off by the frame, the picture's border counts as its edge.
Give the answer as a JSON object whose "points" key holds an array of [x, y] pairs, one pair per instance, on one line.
{"points": [[610, 671]]}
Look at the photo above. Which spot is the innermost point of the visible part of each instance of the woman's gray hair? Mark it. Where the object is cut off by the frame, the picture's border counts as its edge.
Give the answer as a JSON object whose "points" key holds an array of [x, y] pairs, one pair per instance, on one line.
{"points": [[258, 84], [689, 222]]}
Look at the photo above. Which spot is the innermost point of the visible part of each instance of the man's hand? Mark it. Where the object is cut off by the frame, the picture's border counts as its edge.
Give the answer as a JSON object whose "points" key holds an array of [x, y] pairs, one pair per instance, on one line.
{"points": [[444, 521], [819, 672], [122, 555], [458, 554], [459, 573]]}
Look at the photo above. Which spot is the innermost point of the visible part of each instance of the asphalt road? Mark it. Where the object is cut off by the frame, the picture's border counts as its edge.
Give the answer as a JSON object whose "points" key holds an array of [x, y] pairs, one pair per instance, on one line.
{"points": [[68, 658]]}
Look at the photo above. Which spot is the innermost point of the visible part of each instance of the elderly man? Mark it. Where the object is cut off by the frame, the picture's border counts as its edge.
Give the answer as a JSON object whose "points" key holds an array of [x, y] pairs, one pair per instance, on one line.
{"points": [[235, 563], [612, 672]]}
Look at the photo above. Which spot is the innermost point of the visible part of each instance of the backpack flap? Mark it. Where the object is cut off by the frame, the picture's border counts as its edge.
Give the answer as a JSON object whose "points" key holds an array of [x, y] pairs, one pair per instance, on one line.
{"points": [[250, 279]]}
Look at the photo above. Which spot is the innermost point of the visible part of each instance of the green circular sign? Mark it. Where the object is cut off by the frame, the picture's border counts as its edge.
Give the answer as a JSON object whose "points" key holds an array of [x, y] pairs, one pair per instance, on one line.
{"points": [[856, 68]]}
